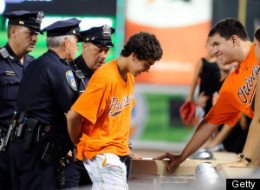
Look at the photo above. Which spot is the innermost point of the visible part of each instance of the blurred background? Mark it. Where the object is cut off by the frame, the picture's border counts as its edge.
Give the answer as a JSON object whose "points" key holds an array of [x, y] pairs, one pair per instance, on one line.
{"points": [[180, 25]]}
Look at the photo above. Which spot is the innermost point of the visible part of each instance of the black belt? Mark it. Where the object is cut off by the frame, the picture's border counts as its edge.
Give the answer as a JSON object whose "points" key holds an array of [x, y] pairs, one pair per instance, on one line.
{"points": [[39, 130], [128, 162]]}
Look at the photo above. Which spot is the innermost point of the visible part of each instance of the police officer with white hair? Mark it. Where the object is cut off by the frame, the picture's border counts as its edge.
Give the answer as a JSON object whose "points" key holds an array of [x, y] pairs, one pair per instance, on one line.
{"points": [[22, 30], [48, 90]]}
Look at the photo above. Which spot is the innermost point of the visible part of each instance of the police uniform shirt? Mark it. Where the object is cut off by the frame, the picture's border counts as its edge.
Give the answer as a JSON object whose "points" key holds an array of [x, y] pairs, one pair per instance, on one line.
{"points": [[11, 73], [48, 89], [80, 64]]}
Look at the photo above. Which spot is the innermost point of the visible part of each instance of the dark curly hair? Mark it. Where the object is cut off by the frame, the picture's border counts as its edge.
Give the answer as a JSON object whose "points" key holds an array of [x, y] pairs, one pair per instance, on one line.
{"points": [[228, 27], [144, 46], [257, 34]]}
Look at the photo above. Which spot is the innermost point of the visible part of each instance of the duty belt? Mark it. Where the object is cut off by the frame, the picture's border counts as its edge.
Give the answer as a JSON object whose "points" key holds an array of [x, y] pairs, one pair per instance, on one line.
{"points": [[31, 130], [6, 134]]}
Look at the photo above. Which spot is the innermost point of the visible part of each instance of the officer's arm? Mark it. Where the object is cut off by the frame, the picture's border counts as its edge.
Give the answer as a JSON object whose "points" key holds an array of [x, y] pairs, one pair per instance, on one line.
{"points": [[74, 121]]}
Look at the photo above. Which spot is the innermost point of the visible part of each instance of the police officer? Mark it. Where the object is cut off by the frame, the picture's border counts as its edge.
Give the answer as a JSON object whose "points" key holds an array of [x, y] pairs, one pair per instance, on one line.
{"points": [[22, 31], [96, 43], [46, 93]]}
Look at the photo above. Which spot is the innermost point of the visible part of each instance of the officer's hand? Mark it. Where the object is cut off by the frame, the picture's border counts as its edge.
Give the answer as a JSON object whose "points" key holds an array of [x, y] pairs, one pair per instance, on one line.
{"points": [[175, 160]]}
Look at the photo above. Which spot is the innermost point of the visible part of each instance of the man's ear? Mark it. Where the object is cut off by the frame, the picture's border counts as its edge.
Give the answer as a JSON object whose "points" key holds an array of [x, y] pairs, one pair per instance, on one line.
{"points": [[84, 45], [12, 31], [66, 42], [133, 56], [235, 40]]}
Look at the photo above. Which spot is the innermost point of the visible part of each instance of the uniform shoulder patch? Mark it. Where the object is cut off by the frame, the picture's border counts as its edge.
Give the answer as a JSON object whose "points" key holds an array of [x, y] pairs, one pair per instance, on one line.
{"points": [[71, 80]]}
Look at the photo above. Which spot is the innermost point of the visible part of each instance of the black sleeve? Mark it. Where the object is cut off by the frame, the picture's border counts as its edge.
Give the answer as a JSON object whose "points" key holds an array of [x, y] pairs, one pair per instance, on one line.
{"points": [[64, 86]]}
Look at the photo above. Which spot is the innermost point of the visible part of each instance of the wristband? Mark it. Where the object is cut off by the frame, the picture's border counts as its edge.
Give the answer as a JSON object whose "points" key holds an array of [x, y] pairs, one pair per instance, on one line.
{"points": [[130, 145], [243, 157]]}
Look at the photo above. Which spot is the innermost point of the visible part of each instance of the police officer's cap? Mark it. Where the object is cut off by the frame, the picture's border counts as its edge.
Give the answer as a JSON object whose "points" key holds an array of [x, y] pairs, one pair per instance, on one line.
{"points": [[100, 36], [31, 20], [63, 27]]}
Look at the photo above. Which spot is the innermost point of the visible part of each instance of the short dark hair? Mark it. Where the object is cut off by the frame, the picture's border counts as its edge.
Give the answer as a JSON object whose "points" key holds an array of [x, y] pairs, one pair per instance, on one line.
{"points": [[144, 45], [9, 27], [257, 34], [228, 27]]}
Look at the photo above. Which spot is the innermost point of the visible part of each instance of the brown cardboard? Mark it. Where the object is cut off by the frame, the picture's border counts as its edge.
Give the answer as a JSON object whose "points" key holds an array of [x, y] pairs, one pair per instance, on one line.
{"points": [[187, 168]]}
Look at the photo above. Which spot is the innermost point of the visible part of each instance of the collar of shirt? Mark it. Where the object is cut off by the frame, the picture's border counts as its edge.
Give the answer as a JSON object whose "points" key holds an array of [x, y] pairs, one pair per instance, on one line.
{"points": [[58, 57], [10, 51]]}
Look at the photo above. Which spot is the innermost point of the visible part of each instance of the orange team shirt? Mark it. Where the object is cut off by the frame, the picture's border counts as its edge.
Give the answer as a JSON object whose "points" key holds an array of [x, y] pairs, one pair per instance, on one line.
{"points": [[106, 106], [237, 93]]}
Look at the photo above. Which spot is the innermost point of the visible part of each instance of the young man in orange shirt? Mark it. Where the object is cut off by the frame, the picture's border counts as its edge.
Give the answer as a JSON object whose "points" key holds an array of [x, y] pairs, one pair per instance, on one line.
{"points": [[251, 149], [230, 43], [101, 116]]}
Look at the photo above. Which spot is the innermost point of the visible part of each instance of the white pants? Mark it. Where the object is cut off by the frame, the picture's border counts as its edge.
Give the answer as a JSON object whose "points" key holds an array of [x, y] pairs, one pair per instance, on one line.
{"points": [[106, 171]]}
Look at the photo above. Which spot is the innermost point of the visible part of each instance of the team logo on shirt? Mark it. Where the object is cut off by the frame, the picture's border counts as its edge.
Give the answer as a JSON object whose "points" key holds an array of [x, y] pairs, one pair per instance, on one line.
{"points": [[117, 106], [71, 80], [246, 93]]}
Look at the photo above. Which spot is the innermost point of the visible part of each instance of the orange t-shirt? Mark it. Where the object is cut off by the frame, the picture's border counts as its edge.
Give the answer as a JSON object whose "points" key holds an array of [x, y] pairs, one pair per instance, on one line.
{"points": [[106, 106], [237, 93]]}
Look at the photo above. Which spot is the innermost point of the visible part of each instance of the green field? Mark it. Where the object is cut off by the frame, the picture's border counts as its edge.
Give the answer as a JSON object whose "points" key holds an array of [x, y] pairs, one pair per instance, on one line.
{"points": [[158, 126]]}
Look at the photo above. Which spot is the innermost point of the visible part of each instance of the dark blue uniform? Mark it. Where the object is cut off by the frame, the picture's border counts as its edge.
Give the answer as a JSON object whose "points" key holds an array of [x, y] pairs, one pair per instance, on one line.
{"points": [[48, 91], [82, 73], [11, 73]]}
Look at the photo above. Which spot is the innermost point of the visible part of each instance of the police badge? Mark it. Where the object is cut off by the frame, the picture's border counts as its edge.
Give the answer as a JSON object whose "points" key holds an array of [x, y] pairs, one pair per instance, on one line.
{"points": [[71, 80], [40, 16], [106, 31]]}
